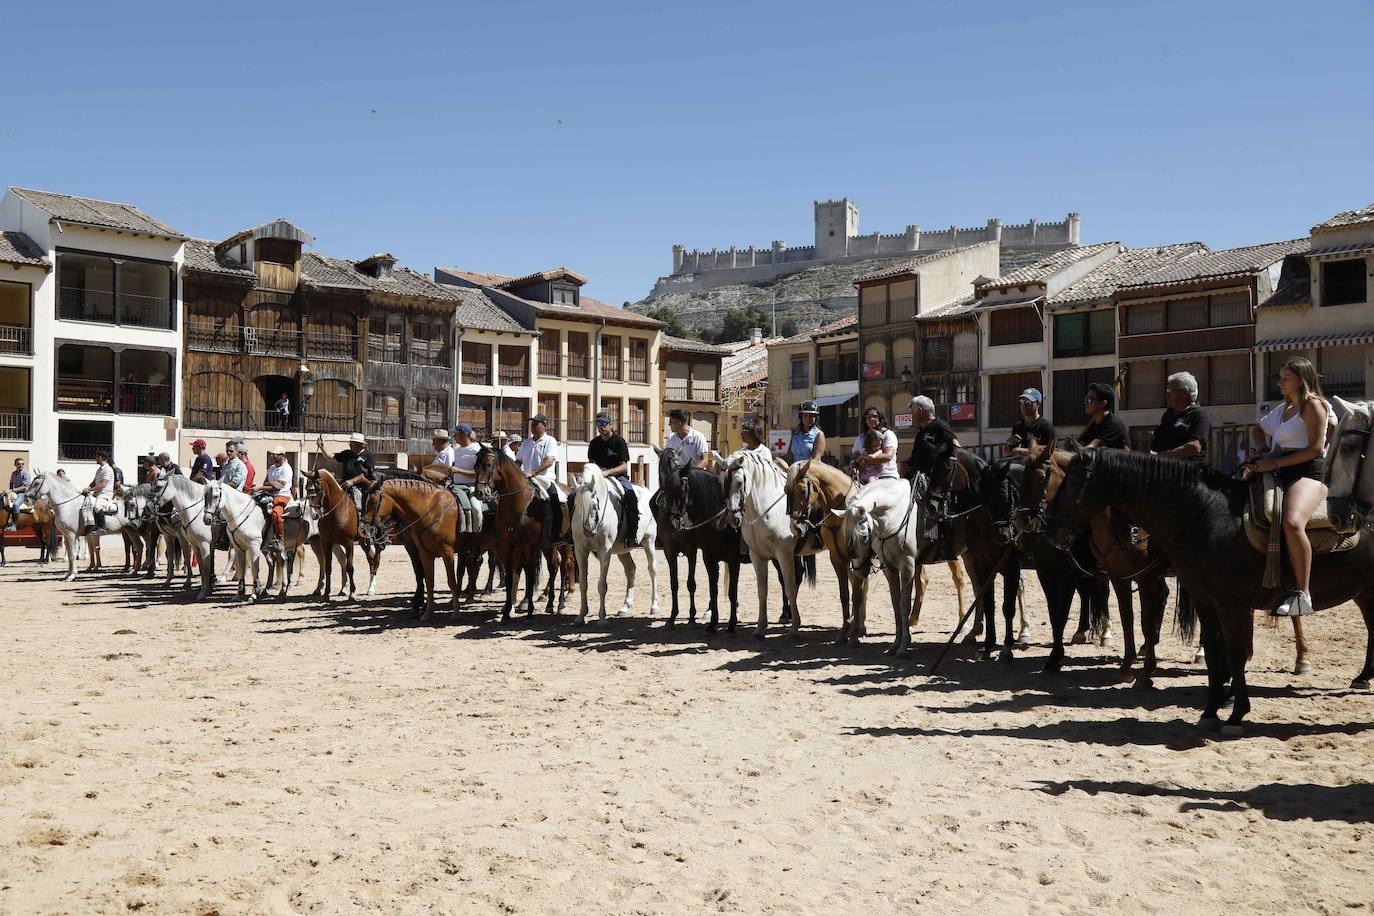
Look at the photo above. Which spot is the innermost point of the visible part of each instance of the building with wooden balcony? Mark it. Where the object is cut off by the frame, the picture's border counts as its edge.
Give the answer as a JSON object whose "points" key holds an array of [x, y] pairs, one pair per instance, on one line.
{"points": [[820, 365], [917, 335], [1198, 315], [1323, 309], [590, 356], [689, 376], [89, 331]]}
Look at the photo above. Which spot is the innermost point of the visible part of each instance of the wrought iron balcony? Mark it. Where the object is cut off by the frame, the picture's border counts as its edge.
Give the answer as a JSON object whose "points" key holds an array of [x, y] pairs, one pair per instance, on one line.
{"points": [[16, 425], [16, 339]]}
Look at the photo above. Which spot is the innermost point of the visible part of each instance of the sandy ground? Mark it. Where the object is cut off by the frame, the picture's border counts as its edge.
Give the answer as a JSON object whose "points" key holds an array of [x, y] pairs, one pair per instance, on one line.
{"points": [[162, 756]]}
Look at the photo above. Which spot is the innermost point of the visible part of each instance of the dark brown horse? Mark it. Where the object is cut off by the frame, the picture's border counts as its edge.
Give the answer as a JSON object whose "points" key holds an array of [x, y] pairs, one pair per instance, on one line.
{"points": [[338, 522], [1196, 515], [426, 516], [690, 512]]}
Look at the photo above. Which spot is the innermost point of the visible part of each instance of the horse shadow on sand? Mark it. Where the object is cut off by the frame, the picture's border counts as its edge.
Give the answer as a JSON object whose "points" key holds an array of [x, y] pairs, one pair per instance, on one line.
{"points": [[1351, 804]]}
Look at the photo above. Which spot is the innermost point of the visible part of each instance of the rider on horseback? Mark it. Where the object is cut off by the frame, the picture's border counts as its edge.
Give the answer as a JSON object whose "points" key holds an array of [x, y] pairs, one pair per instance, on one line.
{"points": [[935, 445], [458, 459], [611, 453], [539, 461], [357, 469], [275, 492]]}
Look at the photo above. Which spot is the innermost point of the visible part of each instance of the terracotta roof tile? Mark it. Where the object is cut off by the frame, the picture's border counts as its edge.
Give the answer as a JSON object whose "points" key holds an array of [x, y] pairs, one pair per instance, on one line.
{"points": [[476, 277], [1047, 266], [1347, 218], [687, 345], [1129, 266], [476, 310], [908, 265], [91, 212], [1216, 265], [200, 255]]}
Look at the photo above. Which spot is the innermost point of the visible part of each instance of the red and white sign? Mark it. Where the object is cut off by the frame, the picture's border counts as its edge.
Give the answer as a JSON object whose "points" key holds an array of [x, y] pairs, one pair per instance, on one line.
{"points": [[873, 371], [902, 421], [963, 412]]}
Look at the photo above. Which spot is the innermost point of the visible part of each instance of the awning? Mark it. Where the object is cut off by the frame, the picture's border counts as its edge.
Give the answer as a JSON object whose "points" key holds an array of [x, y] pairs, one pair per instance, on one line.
{"points": [[1341, 250], [1034, 302], [1350, 339], [835, 400]]}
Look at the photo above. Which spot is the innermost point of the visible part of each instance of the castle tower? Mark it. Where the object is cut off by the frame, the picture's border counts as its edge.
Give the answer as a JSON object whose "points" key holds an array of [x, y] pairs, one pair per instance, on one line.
{"points": [[837, 221]]}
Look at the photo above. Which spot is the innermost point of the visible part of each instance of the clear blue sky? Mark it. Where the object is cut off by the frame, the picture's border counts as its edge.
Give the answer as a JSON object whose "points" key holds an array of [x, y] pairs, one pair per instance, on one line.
{"points": [[514, 136]]}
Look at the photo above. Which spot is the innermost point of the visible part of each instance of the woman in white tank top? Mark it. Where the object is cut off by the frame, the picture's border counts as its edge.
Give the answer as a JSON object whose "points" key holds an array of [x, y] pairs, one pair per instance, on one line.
{"points": [[1297, 441]]}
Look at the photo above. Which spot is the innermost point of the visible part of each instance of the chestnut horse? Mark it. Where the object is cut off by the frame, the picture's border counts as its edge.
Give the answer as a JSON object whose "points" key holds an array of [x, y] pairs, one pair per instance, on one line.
{"points": [[428, 519], [338, 521]]}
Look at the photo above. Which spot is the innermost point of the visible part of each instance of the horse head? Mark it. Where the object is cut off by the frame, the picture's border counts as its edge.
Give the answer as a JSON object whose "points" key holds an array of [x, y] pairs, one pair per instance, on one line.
{"points": [[482, 468], [1000, 493], [214, 494], [735, 481], [1070, 510], [378, 504], [856, 534], [593, 483]]}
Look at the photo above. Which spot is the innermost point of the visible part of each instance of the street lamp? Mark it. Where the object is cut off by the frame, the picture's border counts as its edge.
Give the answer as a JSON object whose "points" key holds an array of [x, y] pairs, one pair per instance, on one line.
{"points": [[305, 380], [906, 375]]}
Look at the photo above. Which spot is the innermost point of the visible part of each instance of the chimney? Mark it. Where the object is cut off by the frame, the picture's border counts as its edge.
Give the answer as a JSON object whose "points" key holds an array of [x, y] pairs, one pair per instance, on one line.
{"points": [[378, 266], [755, 336]]}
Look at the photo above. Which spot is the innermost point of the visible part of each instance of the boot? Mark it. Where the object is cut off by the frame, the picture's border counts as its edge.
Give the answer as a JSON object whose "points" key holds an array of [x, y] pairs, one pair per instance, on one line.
{"points": [[631, 520]]}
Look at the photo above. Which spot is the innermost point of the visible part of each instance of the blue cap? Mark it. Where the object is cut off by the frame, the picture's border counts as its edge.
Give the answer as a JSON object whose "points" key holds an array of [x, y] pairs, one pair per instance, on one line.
{"points": [[1031, 394], [463, 428], [603, 419]]}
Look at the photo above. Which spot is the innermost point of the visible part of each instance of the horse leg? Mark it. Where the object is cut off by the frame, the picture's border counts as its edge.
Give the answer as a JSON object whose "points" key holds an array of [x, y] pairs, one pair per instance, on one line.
{"points": [[627, 563], [1300, 664], [791, 582], [1214, 647], [532, 579], [900, 614], [1153, 594], [691, 586], [553, 558], [918, 596], [510, 568], [1366, 605], [713, 582], [69, 540], [1059, 592], [846, 599], [374, 558], [325, 557], [732, 569], [1085, 599], [428, 561], [1125, 607], [761, 568], [670, 553], [1023, 625], [1237, 627], [1011, 587], [651, 561], [450, 567]]}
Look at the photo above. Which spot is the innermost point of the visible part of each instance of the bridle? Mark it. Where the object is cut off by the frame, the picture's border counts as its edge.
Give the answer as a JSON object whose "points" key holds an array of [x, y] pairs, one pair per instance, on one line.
{"points": [[741, 515]]}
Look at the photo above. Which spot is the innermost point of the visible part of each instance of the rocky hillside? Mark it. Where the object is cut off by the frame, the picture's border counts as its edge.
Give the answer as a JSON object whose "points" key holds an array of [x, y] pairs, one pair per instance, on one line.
{"points": [[809, 297]]}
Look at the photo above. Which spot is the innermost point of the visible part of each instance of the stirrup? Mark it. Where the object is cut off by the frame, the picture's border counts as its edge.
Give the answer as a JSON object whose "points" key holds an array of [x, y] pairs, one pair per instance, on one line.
{"points": [[1285, 607]]}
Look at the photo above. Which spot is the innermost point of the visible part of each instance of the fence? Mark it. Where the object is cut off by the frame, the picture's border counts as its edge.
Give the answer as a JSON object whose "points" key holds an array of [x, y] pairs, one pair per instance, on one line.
{"points": [[16, 339], [16, 424]]}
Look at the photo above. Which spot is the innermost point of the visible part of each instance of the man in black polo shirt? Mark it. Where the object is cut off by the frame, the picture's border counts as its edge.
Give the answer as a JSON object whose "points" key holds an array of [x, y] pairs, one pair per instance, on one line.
{"points": [[1185, 427], [357, 467], [1104, 429], [935, 440], [1032, 427], [609, 451]]}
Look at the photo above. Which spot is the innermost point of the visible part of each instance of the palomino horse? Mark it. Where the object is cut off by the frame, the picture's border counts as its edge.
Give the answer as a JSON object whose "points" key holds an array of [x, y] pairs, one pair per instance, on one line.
{"points": [[596, 530], [814, 488], [520, 536], [755, 492], [35, 515], [186, 499], [428, 518], [245, 526], [690, 516], [1195, 514], [338, 524], [1142, 563]]}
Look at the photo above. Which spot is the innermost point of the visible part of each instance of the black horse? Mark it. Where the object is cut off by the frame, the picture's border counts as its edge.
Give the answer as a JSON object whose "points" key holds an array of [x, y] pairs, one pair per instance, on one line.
{"points": [[1002, 484], [690, 511], [1195, 514]]}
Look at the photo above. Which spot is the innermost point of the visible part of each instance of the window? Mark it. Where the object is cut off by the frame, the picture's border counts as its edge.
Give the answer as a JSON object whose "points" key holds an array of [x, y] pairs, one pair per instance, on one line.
{"points": [[548, 406], [1014, 326], [514, 368], [79, 440], [333, 409], [512, 416], [1147, 318], [578, 366], [677, 380], [799, 375], [579, 426], [214, 400], [903, 354], [612, 407], [704, 381], [428, 342], [902, 304], [1231, 379], [386, 339], [476, 412], [1070, 385], [610, 358], [966, 350], [1230, 310], [277, 251], [1145, 385], [1342, 372], [1343, 282], [383, 419], [476, 363], [1003, 390], [849, 361], [937, 354], [85, 379], [550, 355], [1187, 314], [16, 326], [873, 305], [639, 360], [565, 295], [637, 430], [1085, 333]]}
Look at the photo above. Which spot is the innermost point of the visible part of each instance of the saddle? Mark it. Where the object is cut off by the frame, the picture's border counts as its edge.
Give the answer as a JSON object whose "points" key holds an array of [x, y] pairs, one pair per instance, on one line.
{"points": [[470, 509], [1328, 532]]}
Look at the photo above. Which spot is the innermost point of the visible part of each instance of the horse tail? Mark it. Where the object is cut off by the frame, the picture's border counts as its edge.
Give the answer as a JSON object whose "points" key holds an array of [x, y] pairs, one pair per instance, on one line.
{"points": [[808, 567], [1185, 619]]}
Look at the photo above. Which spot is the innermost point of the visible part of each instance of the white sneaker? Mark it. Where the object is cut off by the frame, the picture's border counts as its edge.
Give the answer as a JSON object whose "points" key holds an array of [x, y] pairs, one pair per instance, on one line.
{"points": [[1302, 604], [1286, 606]]}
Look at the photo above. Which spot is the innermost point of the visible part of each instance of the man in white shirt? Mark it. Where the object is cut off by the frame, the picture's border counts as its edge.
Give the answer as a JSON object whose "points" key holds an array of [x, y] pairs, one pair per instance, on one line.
{"points": [[277, 486], [465, 451], [101, 489], [443, 451], [690, 443], [539, 461]]}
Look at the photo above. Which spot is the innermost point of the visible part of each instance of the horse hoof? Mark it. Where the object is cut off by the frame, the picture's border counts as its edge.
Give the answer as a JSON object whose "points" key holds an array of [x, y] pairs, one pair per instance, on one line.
{"points": [[1051, 669], [1199, 656], [1004, 655], [1209, 724], [1022, 644], [759, 636], [1304, 668], [1144, 683], [1106, 640], [1079, 638], [1359, 684], [1230, 730]]}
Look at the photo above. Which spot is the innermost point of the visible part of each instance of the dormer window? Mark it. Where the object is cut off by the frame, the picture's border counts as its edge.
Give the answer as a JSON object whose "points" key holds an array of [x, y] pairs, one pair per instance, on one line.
{"points": [[378, 266], [564, 295], [1343, 282], [278, 251]]}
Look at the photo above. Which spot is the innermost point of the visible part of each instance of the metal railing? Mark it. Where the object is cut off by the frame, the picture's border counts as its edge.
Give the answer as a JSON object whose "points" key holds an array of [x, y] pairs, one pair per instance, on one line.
{"points": [[16, 424], [105, 307], [228, 418], [88, 394], [638, 432], [81, 451], [212, 336], [579, 430], [578, 365], [331, 345], [431, 355], [275, 421], [15, 338], [142, 398], [610, 367], [639, 369]]}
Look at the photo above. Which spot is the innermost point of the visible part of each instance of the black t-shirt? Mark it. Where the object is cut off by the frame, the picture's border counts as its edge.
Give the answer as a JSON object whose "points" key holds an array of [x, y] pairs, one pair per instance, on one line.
{"points": [[1110, 430], [204, 465], [355, 463], [609, 452], [1041, 431], [1179, 427], [932, 443]]}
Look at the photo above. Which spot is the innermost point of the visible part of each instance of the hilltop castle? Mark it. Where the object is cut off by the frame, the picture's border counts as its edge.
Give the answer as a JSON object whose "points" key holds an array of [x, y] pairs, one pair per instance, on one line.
{"points": [[838, 241]]}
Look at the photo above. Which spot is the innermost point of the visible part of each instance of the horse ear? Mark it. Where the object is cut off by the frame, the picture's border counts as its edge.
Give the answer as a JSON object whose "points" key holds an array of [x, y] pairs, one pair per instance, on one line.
{"points": [[657, 451], [838, 513]]}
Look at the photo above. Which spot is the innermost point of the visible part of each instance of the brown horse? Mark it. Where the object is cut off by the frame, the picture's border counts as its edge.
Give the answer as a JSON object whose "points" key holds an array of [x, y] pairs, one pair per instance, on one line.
{"points": [[520, 536], [38, 518], [427, 517], [338, 524], [470, 546]]}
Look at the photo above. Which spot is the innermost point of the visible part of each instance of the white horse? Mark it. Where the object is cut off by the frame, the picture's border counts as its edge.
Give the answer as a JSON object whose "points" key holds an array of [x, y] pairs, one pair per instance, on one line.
{"points": [[187, 498], [596, 529], [756, 505], [65, 500], [245, 525], [883, 523]]}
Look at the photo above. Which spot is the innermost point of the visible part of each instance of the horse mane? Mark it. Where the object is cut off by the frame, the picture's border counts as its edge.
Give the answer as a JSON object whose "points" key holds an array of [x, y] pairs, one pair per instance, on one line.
{"points": [[1150, 477], [414, 483], [182, 484]]}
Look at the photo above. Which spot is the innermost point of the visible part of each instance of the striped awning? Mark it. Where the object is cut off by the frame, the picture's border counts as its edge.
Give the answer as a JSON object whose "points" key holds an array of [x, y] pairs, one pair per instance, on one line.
{"points": [[1341, 250], [1353, 338]]}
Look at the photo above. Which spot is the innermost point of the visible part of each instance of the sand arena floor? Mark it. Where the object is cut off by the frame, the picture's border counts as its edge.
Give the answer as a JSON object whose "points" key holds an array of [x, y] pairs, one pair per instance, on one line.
{"points": [[162, 756]]}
